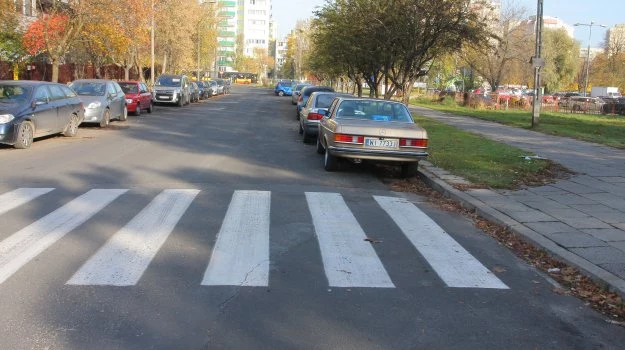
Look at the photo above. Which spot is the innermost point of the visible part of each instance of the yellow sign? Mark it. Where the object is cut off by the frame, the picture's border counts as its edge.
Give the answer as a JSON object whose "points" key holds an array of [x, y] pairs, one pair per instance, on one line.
{"points": [[16, 72]]}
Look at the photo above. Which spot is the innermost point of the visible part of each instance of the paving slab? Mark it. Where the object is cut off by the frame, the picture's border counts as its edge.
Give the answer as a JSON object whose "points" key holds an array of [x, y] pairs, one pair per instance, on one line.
{"points": [[607, 234], [527, 216], [615, 268], [600, 255], [550, 227], [620, 245], [570, 198], [586, 223], [576, 240]]}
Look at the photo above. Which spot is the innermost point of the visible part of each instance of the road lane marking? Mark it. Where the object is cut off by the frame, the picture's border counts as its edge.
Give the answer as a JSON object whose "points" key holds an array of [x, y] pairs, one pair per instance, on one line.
{"points": [[125, 257], [453, 264], [241, 254], [21, 247], [348, 260], [14, 199]]}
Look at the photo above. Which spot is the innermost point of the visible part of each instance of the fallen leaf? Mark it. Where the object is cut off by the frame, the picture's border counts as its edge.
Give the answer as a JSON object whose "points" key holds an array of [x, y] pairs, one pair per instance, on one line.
{"points": [[372, 240]]}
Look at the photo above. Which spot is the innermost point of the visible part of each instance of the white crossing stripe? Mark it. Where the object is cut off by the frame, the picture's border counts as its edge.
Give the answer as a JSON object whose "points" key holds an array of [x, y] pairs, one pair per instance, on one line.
{"points": [[24, 245], [124, 258], [14, 199], [453, 264], [349, 261], [241, 254]]}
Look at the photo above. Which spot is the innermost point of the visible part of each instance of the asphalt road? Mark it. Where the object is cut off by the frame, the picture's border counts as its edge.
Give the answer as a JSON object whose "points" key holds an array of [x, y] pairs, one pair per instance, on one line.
{"points": [[213, 226]]}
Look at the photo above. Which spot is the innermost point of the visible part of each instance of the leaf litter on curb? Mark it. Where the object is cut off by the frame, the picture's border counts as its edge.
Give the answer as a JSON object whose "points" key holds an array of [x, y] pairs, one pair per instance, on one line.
{"points": [[573, 282]]}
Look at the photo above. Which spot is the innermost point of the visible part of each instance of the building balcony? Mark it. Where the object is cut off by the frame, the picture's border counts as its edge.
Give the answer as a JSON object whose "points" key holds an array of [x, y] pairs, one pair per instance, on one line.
{"points": [[226, 34], [224, 3], [226, 44], [226, 14]]}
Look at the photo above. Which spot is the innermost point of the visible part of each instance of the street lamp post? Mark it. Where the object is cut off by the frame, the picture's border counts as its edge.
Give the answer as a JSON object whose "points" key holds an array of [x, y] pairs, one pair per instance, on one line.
{"points": [[589, 25]]}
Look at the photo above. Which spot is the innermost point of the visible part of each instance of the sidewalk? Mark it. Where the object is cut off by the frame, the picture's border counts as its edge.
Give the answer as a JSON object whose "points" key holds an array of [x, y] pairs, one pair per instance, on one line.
{"points": [[580, 220]]}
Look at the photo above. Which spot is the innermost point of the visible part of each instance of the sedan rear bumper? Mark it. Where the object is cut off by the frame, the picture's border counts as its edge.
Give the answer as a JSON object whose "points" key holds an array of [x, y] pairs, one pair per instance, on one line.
{"points": [[380, 155]]}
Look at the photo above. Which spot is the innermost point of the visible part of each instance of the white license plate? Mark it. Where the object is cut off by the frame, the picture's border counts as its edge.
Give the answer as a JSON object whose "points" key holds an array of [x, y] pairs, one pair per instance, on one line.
{"points": [[164, 97], [385, 143]]}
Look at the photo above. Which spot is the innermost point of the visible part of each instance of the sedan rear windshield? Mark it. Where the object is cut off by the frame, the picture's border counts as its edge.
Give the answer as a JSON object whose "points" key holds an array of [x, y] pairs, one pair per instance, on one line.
{"points": [[374, 110], [89, 88], [10, 93]]}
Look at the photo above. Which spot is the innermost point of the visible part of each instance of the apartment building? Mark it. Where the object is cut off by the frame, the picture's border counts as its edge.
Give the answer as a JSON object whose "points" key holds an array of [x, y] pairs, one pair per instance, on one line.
{"points": [[247, 20]]}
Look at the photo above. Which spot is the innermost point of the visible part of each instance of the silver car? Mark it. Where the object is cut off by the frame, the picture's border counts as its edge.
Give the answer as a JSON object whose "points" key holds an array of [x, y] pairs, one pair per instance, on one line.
{"points": [[371, 129], [295, 95], [175, 89], [313, 111], [103, 99]]}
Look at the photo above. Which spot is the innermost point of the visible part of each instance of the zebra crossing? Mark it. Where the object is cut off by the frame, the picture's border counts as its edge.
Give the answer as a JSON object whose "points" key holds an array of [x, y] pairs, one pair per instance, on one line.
{"points": [[241, 253]]}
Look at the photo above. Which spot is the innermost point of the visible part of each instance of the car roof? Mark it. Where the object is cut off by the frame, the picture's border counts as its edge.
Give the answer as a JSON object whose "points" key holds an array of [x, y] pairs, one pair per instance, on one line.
{"points": [[354, 98], [26, 82], [92, 80]]}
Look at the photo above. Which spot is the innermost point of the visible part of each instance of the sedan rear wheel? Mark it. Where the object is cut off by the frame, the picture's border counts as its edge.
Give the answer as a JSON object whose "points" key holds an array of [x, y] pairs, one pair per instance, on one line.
{"points": [[124, 116], [330, 162], [409, 170], [320, 148], [25, 134], [72, 127], [280, 93], [151, 107], [138, 110]]}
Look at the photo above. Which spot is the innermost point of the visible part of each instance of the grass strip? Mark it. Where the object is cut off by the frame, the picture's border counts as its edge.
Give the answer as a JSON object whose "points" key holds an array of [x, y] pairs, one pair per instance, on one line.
{"points": [[482, 161], [603, 129]]}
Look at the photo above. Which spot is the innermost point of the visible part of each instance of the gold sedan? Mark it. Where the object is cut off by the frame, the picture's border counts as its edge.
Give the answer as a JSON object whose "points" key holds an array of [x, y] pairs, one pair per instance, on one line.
{"points": [[371, 129]]}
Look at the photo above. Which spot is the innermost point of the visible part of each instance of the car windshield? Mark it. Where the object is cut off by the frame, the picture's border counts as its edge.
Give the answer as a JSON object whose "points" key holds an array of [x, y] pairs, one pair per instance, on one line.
{"points": [[220, 82], [169, 81], [129, 88], [285, 84], [374, 110], [10, 93], [88, 88]]}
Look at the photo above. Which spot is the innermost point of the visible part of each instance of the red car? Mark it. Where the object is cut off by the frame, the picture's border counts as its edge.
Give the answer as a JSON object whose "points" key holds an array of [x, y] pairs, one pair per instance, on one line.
{"points": [[138, 97]]}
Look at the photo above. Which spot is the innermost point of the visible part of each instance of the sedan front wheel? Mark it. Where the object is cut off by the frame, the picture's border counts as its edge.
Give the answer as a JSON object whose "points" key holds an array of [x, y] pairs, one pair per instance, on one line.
{"points": [[25, 134]]}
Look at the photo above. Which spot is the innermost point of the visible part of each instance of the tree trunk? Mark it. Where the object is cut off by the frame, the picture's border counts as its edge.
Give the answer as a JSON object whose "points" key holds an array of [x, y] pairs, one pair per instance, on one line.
{"points": [[163, 69], [55, 69], [359, 87], [127, 72]]}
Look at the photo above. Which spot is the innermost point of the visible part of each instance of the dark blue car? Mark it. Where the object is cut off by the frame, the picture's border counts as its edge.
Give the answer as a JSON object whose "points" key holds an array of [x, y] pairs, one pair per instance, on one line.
{"points": [[284, 88], [31, 109]]}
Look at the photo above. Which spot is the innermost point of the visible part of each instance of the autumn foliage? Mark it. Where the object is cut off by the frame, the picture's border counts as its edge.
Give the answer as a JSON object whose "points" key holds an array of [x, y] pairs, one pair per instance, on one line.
{"points": [[44, 33]]}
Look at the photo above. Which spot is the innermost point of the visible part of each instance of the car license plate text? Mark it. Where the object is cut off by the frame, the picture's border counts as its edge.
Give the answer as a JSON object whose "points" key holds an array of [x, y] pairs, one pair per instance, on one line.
{"points": [[377, 143]]}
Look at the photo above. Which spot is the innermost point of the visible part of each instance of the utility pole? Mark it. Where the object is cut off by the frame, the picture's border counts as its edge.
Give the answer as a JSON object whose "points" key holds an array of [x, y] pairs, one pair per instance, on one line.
{"points": [[152, 47], [538, 62]]}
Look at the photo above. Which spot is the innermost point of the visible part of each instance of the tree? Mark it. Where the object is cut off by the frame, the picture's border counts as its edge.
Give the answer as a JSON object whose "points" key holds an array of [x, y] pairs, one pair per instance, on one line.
{"points": [[394, 40], [11, 48], [561, 54], [510, 47]]}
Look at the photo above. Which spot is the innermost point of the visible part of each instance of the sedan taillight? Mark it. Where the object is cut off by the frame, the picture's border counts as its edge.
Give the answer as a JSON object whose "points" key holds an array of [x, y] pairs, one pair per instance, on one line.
{"points": [[314, 116], [417, 143], [353, 139]]}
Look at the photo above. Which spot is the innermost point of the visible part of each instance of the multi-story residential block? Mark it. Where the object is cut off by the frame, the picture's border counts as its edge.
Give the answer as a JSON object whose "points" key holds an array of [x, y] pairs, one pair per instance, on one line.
{"points": [[548, 23], [242, 22], [615, 39]]}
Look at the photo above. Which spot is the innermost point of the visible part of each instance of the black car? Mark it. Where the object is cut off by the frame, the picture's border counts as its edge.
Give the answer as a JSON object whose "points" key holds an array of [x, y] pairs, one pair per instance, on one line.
{"points": [[30, 109], [614, 106], [204, 90], [305, 93]]}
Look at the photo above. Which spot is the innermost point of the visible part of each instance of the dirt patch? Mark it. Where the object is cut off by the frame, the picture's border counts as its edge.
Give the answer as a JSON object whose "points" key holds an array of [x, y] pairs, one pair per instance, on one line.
{"points": [[572, 281], [545, 176]]}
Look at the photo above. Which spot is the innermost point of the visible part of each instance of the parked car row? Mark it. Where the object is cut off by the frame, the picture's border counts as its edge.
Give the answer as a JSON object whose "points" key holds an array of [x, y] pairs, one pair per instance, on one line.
{"points": [[32, 109], [180, 90], [359, 130]]}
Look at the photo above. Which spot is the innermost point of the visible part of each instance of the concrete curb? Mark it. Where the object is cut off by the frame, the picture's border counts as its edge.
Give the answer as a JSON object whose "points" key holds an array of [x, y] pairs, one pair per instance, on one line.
{"points": [[596, 273]]}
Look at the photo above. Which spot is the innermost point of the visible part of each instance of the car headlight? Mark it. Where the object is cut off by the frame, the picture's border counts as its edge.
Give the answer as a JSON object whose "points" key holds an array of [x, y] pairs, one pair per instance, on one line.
{"points": [[95, 104], [176, 92], [128, 100], [5, 118]]}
